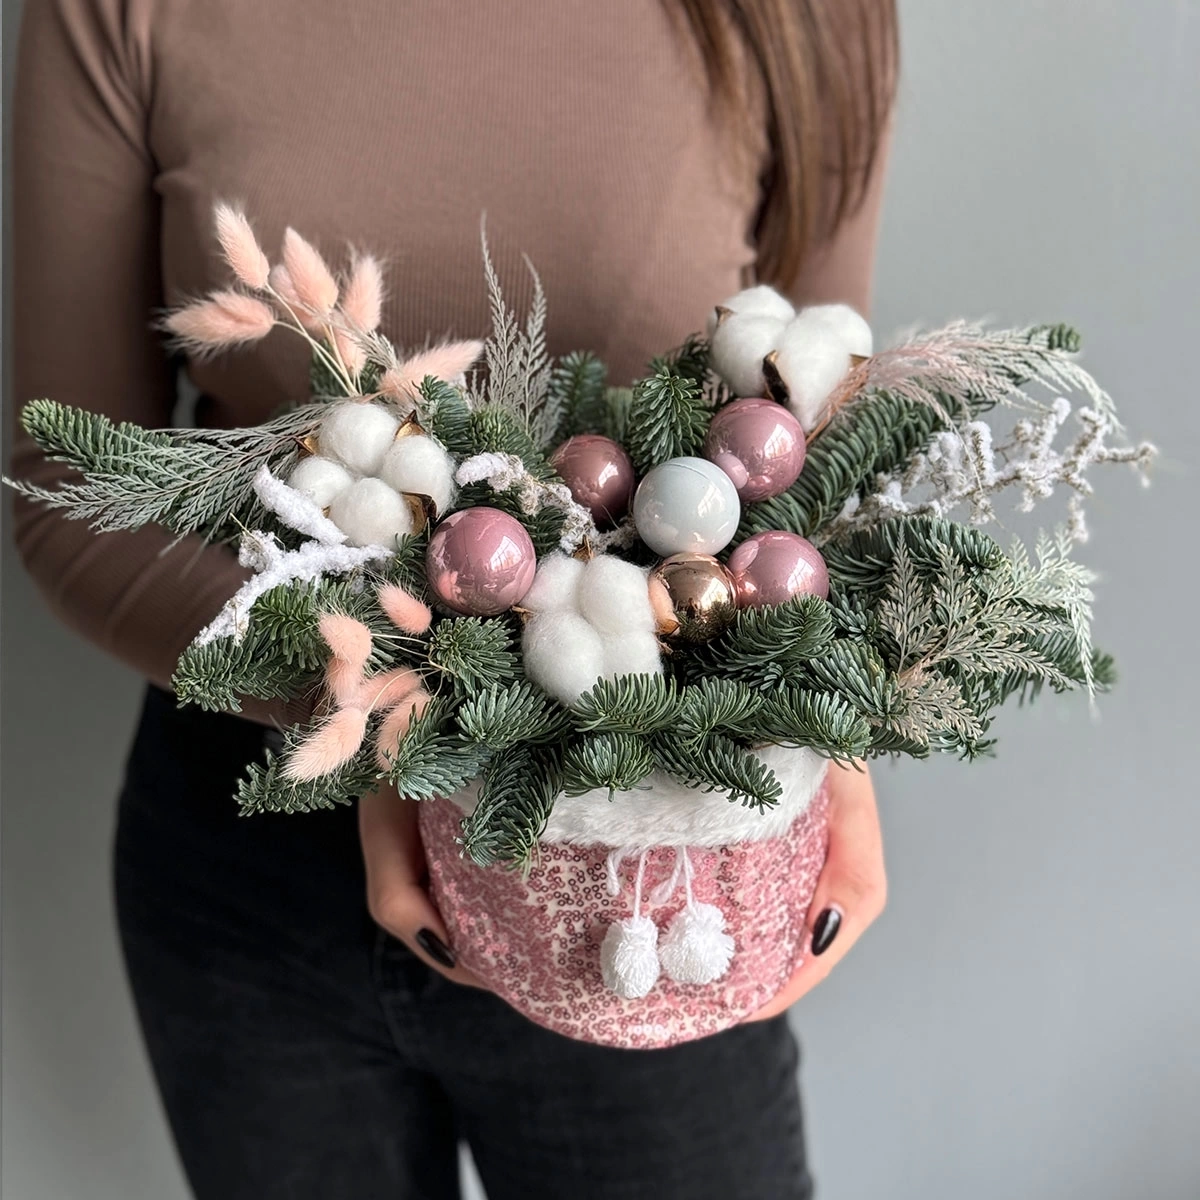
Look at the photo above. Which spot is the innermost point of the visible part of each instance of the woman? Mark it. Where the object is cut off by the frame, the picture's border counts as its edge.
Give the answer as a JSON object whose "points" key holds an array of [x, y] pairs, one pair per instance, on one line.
{"points": [[651, 158]]}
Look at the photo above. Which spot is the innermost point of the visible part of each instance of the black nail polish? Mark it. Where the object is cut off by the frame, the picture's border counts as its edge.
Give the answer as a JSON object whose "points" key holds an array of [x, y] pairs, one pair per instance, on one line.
{"points": [[825, 930], [435, 947]]}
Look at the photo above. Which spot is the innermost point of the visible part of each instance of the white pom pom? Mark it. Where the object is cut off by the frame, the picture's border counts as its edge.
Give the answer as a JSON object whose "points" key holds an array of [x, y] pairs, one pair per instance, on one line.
{"points": [[631, 654], [695, 947], [563, 654], [358, 434], [629, 957], [419, 464], [615, 595], [760, 301], [555, 585], [369, 513], [739, 345], [843, 321], [812, 359], [320, 479]]}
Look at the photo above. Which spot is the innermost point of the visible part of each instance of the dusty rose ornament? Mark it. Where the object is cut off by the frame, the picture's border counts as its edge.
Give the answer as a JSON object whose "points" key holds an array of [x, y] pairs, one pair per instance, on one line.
{"points": [[480, 562], [599, 475], [774, 567], [759, 445]]}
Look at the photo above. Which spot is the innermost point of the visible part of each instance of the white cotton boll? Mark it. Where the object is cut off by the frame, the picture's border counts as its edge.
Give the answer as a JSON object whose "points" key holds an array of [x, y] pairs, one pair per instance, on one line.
{"points": [[563, 654], [812, 359], [629, 957], [631, 654], [695, 948], [614, 595], [843, 320], [739, 345], [370, 513], [760, 301], [320, 479], [555, 585], [419, 464], [358, 434]]}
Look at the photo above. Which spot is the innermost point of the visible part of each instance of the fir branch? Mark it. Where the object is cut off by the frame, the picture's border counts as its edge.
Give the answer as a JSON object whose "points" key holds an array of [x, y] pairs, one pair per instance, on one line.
{"points": [[640, 704], [473, 652], [518, 791], [797, 716], [577, 384], [431, 760], [856, 672], [613, 762], [264, 788], [716, 704], [446, 415], [718, 764], [668, 417], [498, 717]]}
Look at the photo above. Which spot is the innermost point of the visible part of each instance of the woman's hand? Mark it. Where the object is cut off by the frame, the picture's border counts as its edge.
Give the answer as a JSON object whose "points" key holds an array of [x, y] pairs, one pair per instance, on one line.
{"points": [[851, 891], [397, 881]]}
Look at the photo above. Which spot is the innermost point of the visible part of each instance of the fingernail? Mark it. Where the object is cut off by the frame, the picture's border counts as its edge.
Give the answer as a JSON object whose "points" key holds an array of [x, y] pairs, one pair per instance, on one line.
{"points": [[435, 947], [825, 930]]}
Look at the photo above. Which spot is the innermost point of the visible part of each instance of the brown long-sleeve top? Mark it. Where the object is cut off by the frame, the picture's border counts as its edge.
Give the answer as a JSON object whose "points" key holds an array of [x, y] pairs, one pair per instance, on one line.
{"points": [[583, 129]]}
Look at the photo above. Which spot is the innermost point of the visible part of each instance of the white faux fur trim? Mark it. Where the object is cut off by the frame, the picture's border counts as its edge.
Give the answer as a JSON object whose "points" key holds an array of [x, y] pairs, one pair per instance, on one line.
{"points": [[665, 813]]}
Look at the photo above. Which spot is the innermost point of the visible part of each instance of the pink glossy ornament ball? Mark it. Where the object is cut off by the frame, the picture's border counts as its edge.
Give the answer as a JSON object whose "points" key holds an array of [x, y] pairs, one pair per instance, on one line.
{"points": [[759, 445], [774, 567], [599, 475], [480, 562]]}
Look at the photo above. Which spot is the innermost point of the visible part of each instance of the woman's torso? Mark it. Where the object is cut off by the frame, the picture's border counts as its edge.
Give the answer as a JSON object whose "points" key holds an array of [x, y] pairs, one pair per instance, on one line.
{"points": [[582, 130]]}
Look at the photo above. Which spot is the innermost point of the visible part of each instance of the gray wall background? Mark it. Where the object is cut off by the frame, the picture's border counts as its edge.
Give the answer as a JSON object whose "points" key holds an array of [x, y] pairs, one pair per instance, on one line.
{"points": [[1023, 1020]]}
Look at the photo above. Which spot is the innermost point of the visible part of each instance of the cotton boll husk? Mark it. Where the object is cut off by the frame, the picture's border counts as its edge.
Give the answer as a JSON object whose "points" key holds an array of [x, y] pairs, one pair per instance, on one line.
{"points": [[563, 654], [843, 320], [760, 301], [320, 479], [614, 595], [631, 654], [358, 434], [739, 345], [419, 464], [555, 586], [370, 513]]}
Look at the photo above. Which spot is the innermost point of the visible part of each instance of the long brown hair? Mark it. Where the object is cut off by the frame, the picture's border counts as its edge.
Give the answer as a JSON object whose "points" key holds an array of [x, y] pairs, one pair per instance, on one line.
{"points": [[829, 72]]}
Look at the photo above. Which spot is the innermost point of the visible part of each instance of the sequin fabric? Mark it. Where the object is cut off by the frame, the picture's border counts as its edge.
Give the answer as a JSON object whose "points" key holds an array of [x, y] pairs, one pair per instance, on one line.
{"points": [[536, 940]]}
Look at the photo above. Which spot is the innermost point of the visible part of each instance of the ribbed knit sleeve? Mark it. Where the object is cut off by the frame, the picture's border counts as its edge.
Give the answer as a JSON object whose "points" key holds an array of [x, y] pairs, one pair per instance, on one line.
{"points": [[86, 282]]}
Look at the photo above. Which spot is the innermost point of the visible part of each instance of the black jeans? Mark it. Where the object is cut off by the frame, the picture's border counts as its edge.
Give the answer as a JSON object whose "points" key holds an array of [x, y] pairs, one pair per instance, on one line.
{"points": [[302, 1053]]}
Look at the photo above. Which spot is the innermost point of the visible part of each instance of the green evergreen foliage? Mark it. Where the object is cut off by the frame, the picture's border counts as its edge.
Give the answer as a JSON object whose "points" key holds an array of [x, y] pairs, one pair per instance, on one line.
{"points": [[668, 417], [265, 789], [493, 427], [824, 721], [473, 653], [615, 762], [718, 764], [501, 716], [446, 415], [639, 704], [515, 798], [431, 759], [578, 384]]}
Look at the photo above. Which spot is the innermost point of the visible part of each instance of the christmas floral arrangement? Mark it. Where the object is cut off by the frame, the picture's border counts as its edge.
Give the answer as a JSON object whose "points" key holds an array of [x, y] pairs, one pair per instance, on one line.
{"points": [[611, 636]]}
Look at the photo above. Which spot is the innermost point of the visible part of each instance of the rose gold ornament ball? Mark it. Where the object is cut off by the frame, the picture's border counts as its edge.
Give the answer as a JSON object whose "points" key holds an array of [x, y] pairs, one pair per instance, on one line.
{"points": [[480, 562], [693, 597], [774, 567], [759, 445], [599, 475]]}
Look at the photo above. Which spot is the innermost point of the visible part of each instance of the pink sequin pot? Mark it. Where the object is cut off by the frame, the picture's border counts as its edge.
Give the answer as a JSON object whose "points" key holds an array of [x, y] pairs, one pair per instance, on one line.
{"points": [[537, 940]]}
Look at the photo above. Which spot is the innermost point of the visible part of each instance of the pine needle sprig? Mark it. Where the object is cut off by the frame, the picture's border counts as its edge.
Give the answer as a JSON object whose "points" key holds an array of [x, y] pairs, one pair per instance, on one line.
{"points": [[612, 762], [718, 764], [641, 704], [668, 417], [515, 798], [501, 716], [431, 759]]}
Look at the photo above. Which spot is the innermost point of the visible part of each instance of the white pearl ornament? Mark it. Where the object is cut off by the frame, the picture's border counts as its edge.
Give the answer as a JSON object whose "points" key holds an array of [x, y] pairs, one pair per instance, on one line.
{"points": [[686, 505]]}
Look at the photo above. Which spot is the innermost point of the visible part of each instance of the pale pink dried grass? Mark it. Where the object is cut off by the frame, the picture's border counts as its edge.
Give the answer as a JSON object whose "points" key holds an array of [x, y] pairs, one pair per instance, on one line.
{"points": [[404, 611], [362, 300], [447, 361], [240, 247], [331, 745], [224, 319], [311, 278], [396, 724]]}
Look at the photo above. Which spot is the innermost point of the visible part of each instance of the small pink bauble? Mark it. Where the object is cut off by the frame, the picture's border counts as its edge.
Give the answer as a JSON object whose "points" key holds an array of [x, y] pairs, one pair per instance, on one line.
{"points": [[599, 475], [759, 445], [480, 562], [774, 567]]}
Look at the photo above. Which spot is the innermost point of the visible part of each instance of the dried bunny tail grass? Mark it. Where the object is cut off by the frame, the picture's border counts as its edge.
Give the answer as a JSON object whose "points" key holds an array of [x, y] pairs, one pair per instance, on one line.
{"points": [[312, 280], [396, 724], [385, 691], [280, 283], [350, 351], [350, 641], [331, 745], [447, 361], [404, 611], [223, 319], [240, 247], [362, 300]]}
